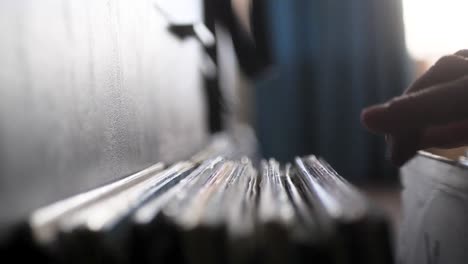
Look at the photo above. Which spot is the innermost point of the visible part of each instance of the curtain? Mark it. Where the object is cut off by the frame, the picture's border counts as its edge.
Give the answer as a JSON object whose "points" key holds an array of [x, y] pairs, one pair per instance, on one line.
{"points": [[332, 58]]}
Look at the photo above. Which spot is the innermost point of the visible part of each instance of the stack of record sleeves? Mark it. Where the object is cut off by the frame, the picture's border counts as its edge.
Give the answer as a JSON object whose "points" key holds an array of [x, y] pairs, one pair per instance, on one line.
{"points": [[214, 209]]}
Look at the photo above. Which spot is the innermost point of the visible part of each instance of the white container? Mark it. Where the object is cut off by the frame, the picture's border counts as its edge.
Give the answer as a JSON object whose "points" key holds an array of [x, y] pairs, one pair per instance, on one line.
{"points": [[434, 228]]}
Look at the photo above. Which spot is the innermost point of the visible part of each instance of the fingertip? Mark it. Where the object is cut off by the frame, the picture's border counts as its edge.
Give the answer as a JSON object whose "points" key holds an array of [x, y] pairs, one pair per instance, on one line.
{"points": [[373, 117]]}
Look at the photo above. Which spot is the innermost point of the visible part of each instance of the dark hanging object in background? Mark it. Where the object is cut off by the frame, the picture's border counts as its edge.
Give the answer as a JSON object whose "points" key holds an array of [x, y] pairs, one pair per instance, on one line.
{"points": [[251, 39], [252, 48], [252, 45]]}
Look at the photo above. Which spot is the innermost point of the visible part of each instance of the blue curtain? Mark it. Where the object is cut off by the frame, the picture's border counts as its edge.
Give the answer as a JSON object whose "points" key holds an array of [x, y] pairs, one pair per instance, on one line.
{"points": [[333, 58]]}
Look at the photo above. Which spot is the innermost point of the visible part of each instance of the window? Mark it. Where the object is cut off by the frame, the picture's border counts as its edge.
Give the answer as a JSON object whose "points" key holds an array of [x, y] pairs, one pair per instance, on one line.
{"points": [[435, 28]]}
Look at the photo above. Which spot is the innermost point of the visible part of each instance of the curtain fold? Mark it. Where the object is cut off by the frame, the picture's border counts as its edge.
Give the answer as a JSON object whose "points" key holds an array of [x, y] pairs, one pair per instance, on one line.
{"points": [[333, 58]]}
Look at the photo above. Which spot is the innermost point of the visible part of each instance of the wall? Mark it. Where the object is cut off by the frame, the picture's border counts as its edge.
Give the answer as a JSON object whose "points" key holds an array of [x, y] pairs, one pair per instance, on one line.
{"points": [[91, 91]]}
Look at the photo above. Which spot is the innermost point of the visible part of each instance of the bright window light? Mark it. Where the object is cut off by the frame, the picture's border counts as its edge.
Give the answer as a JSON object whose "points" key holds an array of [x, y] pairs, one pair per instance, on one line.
{"points": [[435, 27]]}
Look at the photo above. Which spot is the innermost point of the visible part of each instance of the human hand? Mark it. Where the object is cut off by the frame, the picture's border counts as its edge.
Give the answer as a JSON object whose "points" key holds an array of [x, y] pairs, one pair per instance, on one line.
{"points": [[432, 112]]}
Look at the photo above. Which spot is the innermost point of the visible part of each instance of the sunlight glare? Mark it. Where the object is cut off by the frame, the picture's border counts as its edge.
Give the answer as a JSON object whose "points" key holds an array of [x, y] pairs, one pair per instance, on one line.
{"points": [[435, 27]]}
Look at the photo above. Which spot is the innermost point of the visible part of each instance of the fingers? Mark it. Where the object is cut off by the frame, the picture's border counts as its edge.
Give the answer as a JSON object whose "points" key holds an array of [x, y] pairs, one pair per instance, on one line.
{"points": [[407, 116], [437, 105], [402, 147], [448, 136], [446, 69], [405, 146]]}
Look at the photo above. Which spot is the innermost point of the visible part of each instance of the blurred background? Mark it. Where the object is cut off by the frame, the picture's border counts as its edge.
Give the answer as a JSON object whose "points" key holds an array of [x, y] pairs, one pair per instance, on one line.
{"points": [[333, 58]]}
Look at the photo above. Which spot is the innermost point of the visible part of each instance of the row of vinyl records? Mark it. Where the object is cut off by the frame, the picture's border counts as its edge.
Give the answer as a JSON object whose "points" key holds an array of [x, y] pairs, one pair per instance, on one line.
{"points": [[212, 209]]}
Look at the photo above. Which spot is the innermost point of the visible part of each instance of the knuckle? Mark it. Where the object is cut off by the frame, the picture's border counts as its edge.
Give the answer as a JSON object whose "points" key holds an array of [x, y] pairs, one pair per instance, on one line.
{"points": [[447, 60], [462, 53]]}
